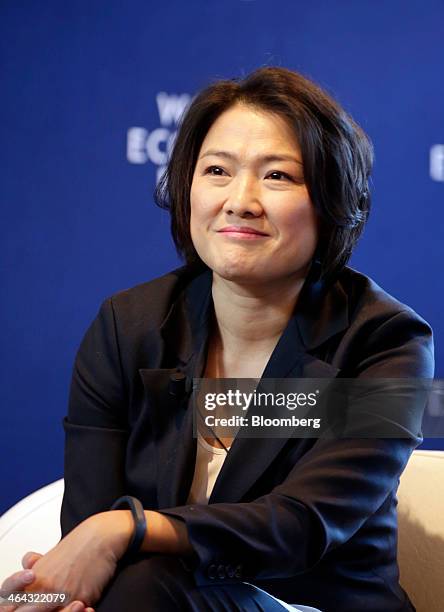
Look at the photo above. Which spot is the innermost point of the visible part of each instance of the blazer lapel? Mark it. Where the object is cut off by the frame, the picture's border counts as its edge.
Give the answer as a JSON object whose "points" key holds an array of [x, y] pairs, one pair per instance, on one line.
{"points": [[321, 313], [183, 340], [248, 458]]}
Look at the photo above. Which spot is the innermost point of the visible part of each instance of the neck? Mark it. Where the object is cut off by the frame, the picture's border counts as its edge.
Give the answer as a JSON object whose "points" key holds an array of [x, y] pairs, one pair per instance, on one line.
{"points": [[252, 317]]}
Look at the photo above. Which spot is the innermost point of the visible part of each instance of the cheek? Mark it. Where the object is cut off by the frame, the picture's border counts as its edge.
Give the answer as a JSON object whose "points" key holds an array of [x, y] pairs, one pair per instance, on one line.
{"points": [[200, 216], [195, 209], [200, 202], [301, 223]]}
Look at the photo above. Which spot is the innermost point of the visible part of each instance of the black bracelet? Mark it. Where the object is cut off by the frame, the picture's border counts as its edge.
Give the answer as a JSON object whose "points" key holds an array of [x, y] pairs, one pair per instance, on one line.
{"points": [[127, 501]]}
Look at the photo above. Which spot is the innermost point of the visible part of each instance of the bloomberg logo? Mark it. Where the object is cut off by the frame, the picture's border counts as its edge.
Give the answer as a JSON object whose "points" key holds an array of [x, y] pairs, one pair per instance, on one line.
{"points": [[144, 146], [437, 162]]}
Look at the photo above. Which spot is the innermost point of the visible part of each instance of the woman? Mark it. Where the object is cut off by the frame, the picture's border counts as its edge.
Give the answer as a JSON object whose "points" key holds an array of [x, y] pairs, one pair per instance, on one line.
{"points": [[267, 187]]}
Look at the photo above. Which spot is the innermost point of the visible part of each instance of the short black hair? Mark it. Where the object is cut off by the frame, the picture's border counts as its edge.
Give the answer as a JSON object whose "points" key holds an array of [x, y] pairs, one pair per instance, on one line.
{"points": [[337, 158]]}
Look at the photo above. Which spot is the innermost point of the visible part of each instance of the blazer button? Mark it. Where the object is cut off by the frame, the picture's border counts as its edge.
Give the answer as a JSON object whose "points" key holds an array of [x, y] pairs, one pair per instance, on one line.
{"points": [[230, 571], [238, 571], [211, 572], [221, 572]]}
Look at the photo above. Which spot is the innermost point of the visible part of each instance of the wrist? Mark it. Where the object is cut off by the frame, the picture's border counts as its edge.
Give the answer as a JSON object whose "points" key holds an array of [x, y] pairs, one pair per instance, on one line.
{"points": [[139, 520], [114, 529]]}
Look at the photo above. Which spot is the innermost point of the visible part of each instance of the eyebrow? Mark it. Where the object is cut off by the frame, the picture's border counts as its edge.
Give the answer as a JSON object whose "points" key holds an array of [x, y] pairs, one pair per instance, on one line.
{"points": [[264, 158]]}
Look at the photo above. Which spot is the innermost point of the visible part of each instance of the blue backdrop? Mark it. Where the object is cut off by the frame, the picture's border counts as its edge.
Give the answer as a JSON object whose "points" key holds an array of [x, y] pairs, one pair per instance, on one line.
{"points": [[90, 96]]}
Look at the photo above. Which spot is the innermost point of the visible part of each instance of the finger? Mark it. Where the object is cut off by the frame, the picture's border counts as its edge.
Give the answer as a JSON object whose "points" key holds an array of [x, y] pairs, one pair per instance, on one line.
{"points": [[74, 606], [30, 558], [18, 581]]}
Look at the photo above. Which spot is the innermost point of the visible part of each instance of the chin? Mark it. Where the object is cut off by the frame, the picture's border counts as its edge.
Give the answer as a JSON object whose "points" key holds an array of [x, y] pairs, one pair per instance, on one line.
{"points": [[240, 272], [247, 274]]}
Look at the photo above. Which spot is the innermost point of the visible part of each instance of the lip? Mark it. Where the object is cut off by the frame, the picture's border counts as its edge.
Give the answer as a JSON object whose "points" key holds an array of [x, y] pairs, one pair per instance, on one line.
{"points": [[242, 231]]}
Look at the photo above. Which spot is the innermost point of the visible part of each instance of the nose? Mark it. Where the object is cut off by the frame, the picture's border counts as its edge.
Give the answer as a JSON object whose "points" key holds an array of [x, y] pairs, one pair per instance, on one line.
{"points": [[243, 199]]}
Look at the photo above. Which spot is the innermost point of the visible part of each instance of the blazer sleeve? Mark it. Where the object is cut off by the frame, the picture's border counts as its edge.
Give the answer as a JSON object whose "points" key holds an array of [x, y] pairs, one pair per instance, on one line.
{"points": [[96, 430], [331, 491]]}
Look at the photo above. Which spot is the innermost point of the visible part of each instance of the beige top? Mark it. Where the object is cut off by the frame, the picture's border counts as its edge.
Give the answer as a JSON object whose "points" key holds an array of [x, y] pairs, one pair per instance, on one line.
{"points": [[209, 461]]}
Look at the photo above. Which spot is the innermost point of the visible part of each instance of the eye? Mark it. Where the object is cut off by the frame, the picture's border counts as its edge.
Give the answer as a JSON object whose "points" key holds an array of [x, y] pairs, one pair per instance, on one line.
{"points": [[214, 171], [277, 174]]}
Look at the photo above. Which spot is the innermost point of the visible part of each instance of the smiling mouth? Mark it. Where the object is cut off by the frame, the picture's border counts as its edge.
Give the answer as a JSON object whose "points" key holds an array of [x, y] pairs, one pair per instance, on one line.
{"points": [[246, 233], [245, 236]]}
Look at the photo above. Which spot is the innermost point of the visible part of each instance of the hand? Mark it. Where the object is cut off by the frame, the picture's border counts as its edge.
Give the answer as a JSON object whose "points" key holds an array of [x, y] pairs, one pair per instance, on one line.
{"points": [[21, 579], [81, 564]]}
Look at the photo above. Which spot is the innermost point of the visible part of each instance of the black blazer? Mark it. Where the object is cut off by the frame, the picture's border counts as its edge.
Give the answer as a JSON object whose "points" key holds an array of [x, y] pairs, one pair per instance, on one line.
{"points": [[311, 521]]}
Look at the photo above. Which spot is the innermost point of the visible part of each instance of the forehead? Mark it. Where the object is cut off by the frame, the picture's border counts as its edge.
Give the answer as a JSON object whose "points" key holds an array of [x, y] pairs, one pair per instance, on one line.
{"points": [[243, 125]]}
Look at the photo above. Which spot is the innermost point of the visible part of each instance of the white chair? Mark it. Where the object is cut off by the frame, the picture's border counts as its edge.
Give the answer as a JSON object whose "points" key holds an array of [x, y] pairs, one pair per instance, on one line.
{"points": [[421, 530], [33, 524]]}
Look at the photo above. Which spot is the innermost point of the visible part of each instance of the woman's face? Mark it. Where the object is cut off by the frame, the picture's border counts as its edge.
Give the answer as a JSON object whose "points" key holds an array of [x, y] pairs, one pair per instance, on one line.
{"points": [[251, 217]]}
